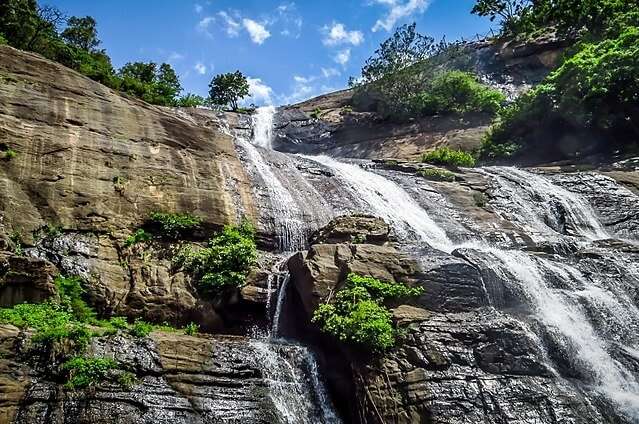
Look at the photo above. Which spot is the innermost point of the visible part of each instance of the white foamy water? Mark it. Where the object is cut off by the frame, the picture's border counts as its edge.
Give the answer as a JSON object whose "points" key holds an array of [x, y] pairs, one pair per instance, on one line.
{"points": [[263, 127], [391, 202], [537, 202]]}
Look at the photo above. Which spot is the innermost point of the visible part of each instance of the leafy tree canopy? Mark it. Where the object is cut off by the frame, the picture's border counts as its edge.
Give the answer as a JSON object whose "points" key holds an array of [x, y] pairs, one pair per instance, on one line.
{"points": [[81, 33], [227, 89]]}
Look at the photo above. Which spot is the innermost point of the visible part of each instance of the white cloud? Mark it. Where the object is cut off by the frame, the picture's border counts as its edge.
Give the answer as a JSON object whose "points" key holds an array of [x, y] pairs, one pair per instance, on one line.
{"points": [[330, 72], [233, 27], [198, 8], [257, 31], [203, 25], [337, 34], [200, 68], [343, 56], [259, 93], [398, 10], [174, 57]]}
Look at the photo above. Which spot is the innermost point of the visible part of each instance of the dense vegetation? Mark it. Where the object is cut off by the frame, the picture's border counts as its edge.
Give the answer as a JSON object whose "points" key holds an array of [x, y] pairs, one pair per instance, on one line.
{"points": [[66, 325], [590, 104], [224, 263], [358, 316], [411, 75], [171, 225], [446, 156], [73, 41]]}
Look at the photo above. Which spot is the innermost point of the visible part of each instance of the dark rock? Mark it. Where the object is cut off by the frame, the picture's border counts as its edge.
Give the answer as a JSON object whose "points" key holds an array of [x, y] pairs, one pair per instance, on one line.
{"points": [[358, 229]]}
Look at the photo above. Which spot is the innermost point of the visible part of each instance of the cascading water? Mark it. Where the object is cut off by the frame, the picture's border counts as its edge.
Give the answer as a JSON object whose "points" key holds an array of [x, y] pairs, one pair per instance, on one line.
{"points": [[289, 369], [533, 199], [559, 311], [389, 201]]}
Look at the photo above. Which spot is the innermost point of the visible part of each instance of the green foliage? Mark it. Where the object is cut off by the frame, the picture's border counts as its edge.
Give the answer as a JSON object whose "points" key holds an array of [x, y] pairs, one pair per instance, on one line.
{"points": [[509, 12], [225, 262], [446, 156], [9, 154], [119, 184], [358, 316], [227, 89], [16, 239], [316, 114], [404, 48], [86, 372], [140, 236], [457, 92], [52, 230], [81, 33], [50, 321], [437, 175], [480, 199], [28, 26], [126, 380], [592, 96], [191, 329], [153, 84], [141, 329], [3, 40], [71, 295], [175, 225], [191, 100]]}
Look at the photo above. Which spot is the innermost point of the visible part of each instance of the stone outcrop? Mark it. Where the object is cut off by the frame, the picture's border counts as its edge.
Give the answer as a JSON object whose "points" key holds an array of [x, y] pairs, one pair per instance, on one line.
{"points": [[459, 360], [92, 165]]}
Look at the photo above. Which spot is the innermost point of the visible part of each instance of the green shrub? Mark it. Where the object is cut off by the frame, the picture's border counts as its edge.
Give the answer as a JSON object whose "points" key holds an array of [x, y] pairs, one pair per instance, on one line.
{"points": [[127, 380], [448, 157], [71, 295], [3, 40], [317, 113], [437, 175], [140, 329], [457, 92], [175, 225], [480, 199], [225, 262], [591, 97], [192, 329], [9, 154], [140, 236], [87, 372], [51, 323], [16, 239], [358, 316]]}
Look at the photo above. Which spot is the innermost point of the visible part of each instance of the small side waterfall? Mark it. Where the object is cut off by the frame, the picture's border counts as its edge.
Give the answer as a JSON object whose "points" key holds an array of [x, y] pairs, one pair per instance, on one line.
{"points": [[290, 370], [533, 199]]}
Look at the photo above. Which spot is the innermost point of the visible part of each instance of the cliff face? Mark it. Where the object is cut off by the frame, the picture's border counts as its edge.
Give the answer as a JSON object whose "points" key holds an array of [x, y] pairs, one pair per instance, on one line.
{"points": [[342, 130], [523, 272], [91, 166]]}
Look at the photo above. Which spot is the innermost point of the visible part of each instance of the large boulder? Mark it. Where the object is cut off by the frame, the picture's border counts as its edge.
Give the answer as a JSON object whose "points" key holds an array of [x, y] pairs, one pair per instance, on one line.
{"points": [[358, 229]]}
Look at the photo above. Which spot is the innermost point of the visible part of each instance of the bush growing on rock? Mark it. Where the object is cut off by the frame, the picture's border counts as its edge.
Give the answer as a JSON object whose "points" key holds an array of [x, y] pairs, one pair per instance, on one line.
{"points": [[446, 156], [225, 262], [436, 175], [140, 236], [86, 372], [358, 316], [175, 225]]}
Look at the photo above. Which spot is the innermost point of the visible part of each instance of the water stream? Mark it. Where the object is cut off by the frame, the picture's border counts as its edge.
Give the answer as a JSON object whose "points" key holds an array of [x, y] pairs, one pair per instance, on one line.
{"points": [[581, 312]]}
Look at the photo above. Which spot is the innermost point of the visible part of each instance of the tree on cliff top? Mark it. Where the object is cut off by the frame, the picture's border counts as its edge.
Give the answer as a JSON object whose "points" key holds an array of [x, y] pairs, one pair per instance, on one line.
{"points": [[81, 33], [228, 89]]}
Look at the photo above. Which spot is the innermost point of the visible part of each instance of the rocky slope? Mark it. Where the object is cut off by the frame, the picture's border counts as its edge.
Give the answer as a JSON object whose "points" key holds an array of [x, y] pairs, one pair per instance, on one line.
{"points": [[91, 166], [328, 124]]}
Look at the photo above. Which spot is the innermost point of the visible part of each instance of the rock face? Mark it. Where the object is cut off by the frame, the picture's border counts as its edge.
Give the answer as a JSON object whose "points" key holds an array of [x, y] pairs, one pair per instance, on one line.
{"points": [[339, 131], [92, 165], [459, 361], [180, 379]]}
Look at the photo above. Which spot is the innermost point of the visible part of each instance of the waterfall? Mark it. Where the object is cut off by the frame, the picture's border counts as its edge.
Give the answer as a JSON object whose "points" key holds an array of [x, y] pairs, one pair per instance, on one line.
{"points": [[559, 311], [533, 199], [388, 200], [263, 127], [289, 369]]}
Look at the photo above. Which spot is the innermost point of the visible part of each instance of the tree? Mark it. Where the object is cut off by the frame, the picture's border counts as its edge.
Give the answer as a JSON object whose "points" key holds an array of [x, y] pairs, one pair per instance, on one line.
{"points": [[81, 33], [168, 85], [191, 100], [404, 48], [25, 24], [227, 89], [159, 86], [508, 11]]}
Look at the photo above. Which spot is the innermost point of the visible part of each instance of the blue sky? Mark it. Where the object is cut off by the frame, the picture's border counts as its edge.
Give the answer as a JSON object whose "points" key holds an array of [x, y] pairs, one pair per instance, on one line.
{"points": [[290, 49]]}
